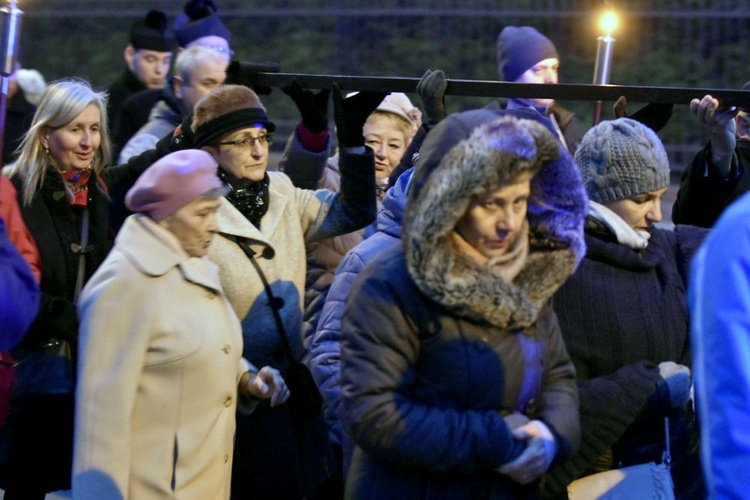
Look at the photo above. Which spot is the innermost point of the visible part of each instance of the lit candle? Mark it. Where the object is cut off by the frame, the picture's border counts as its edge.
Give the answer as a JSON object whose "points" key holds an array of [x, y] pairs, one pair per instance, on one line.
{"points": [[604, 47]]}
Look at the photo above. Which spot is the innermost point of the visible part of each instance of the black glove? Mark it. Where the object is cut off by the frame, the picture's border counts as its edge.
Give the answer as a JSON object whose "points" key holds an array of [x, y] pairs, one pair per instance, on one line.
{"points": [[350, 115], [312, 107], [246, 73], [431, 90], [183, 137], [654, 116]]}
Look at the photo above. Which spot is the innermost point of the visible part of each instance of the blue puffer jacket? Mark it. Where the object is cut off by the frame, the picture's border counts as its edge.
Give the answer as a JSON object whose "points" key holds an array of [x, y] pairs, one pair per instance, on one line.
{"points": [[325, 347], [438, 349]]}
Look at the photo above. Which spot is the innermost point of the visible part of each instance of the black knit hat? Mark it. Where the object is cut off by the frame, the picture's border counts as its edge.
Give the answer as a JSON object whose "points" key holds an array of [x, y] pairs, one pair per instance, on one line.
{"points": [[152, 33], [199, 20], [520, 48]]}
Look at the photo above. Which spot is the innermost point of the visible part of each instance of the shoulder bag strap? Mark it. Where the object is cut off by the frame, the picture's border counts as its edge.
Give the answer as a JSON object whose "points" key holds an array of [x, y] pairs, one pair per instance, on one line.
{"points": [[273, 301], [666, 457]]}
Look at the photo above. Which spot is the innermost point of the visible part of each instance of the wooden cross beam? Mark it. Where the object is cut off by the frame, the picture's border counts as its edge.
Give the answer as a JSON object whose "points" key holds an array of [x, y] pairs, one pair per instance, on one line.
{"points": [[488, 88]]}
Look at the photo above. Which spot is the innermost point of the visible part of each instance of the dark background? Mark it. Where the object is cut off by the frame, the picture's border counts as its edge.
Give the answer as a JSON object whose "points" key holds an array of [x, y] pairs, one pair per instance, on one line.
{"points": [[677, 43]]}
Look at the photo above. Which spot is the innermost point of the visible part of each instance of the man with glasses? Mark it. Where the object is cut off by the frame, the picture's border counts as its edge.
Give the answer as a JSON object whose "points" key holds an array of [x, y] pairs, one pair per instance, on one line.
{"points": [[718, 173]]}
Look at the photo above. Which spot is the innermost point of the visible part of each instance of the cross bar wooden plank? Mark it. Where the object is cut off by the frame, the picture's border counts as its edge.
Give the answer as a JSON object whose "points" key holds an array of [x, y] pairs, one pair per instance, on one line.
{"points": [[488, 88]]}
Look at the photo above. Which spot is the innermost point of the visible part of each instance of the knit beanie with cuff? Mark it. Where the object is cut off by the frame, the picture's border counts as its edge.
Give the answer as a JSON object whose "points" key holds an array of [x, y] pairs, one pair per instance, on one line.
{"points": [[520, 48]]}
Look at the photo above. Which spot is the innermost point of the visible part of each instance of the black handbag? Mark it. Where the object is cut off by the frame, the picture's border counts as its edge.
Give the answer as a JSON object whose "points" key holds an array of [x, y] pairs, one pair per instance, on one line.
{"points": [[304, 399], [44, 370], [314, 457]]}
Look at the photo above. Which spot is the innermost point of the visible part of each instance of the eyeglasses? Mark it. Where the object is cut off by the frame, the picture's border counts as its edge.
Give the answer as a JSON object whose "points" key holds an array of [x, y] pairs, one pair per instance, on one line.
{"points": [[218, 48], [250, 141]]}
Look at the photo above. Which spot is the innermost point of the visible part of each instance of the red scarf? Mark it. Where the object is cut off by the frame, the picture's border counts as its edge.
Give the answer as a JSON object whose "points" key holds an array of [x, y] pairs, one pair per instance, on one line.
{"points": [[77, 180]]}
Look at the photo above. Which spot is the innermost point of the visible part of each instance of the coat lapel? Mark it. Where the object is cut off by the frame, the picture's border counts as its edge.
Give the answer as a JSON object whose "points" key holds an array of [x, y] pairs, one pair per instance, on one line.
{"points": [[155, 251], [276, 205], [232, 223]]}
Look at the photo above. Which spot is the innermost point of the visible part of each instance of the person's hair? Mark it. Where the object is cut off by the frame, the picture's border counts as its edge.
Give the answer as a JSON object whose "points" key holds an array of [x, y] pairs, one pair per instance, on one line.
{"points": [[189, 58], [223, 100], [61, 103], [396, 122], [743, 124]]}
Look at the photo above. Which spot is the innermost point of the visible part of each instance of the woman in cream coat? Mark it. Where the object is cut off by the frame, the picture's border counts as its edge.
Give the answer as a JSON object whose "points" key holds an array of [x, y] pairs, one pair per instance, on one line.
{"points": [[279, 453], [161, 349]]}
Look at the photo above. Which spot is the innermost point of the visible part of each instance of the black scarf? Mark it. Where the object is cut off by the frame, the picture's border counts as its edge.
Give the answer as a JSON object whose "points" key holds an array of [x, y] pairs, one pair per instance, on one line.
{"points": [[251, 201]]}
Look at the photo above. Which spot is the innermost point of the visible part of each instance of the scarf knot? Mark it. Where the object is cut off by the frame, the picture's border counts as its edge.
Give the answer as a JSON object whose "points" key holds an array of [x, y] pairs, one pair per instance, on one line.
{"points": [[77, 181], [251, 201]]}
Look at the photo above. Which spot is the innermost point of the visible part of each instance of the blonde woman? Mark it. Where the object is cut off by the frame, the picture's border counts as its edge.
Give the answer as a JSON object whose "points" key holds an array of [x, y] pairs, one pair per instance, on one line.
{"points": [[62, 190]]}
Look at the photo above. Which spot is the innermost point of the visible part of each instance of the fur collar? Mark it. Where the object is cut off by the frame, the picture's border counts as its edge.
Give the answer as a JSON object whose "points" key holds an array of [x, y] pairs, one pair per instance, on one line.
{"points": [[494, 153]]}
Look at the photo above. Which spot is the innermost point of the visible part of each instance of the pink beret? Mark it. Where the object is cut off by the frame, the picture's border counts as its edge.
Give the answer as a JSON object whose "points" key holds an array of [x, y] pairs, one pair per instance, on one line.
{"points": [[172, 182]]}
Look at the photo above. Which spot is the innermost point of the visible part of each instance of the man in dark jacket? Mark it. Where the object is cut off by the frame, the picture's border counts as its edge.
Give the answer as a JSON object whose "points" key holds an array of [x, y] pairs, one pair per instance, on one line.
{"points": [[526, 56], [148, 57]]}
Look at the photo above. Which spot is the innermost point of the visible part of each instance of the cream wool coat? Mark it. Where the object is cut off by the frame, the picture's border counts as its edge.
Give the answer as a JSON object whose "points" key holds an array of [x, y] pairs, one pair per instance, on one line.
{"points": [[295, 217], [159, 363], [269, 460]]}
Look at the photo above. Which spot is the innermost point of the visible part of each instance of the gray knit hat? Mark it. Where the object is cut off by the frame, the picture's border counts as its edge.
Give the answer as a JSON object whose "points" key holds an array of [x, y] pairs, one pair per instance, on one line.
{"points": [[622, 158], [520, 48]]}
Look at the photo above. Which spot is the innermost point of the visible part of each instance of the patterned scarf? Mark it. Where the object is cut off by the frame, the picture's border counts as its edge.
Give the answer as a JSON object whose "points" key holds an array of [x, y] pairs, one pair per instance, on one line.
{"points": [[251, 201], [77, 181]]}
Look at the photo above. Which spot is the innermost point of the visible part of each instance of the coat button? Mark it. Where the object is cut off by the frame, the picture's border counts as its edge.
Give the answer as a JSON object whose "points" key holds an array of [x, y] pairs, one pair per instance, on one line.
{"points": [[226, 458], [228, 402], [227, 348]]}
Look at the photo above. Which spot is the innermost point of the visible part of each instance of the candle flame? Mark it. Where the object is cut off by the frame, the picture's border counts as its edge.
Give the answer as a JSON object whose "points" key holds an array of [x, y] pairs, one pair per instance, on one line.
{"points": [[608, 22]]}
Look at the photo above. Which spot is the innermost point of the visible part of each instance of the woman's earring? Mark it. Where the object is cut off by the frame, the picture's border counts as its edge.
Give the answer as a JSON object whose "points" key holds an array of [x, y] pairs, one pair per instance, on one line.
{"points": [[46, 149]]}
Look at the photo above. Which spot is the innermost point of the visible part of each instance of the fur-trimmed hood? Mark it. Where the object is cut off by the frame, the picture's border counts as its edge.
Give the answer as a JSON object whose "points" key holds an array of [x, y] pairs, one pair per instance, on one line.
{"points": [[463, 156]]}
